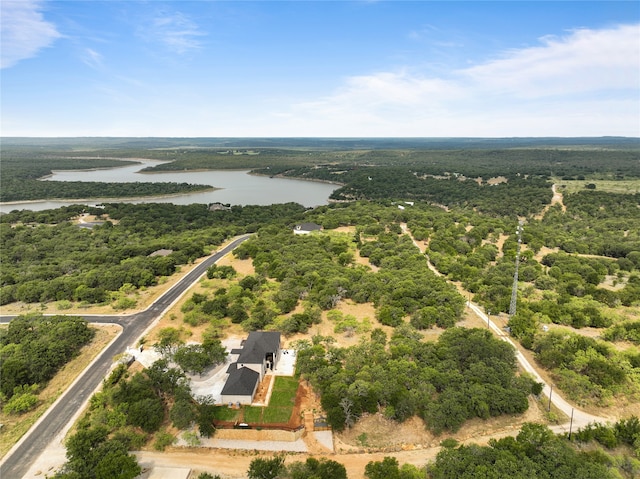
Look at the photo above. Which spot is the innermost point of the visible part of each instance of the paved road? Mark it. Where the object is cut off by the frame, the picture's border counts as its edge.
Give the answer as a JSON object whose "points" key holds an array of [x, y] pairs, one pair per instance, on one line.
{"points": [[17, 462]]}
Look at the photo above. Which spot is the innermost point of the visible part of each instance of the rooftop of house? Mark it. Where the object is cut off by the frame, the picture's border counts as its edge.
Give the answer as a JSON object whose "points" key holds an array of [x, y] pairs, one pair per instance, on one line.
{"points": [[241, 381], [257, 345], [161, 252], [307, 227]]}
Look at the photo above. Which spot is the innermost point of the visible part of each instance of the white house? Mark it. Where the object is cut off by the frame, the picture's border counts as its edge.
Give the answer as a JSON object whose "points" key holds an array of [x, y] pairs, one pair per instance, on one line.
{"points": [[260, 352]]}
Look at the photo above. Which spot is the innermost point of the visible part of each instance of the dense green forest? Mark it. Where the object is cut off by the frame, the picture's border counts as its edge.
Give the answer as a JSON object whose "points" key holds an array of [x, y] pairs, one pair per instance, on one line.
{"points": [[442, 171], [467, 373], [32, 350], [46, 257], [322, 270]]}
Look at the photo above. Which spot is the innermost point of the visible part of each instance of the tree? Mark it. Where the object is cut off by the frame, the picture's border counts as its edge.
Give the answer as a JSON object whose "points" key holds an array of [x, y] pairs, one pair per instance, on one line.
{"points": [[147, 414], [260, 468], [91, 455], [183, 413], [192, 358], [313, 468], [388, 468], [169, 340], [206, 413], [24, 399], [117, 465]]}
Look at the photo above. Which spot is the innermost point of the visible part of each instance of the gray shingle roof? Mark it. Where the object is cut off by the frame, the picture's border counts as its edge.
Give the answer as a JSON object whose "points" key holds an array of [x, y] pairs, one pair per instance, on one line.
{"points": [[241, 382], [257, 345]]}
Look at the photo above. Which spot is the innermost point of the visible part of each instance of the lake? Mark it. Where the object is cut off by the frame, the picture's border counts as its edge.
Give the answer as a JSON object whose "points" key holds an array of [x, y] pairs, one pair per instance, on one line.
{"points": [[237, 187]]}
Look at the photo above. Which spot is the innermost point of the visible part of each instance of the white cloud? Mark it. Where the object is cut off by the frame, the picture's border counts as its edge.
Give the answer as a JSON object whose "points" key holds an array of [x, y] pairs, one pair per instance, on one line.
{"points": [[24, 31], [586, 83], [585, 60], [177, 32]]}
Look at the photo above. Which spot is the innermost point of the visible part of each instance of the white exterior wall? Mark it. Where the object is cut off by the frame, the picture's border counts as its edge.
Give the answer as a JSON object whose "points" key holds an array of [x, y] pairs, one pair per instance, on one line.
{"points": [[246, 400]]}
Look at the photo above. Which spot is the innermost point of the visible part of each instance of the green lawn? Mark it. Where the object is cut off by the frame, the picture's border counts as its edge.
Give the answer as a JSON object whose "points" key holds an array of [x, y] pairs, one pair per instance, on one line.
{"points": [[277, 414], [286, 383], [284, 392], [280, 406], [224, 413], [253, 414]]}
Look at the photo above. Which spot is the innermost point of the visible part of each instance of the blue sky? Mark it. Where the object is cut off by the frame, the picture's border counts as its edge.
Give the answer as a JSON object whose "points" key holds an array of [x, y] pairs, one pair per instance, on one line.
{"points": [[320, 69]]}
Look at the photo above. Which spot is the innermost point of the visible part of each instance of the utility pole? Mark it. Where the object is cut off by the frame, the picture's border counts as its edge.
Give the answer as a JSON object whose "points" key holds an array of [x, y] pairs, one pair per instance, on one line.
{"points": [[514, 289], [571, 424]]}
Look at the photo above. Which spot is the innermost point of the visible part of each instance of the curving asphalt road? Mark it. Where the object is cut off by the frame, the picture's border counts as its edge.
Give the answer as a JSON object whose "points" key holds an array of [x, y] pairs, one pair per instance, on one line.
{"points": [[18, 460]]}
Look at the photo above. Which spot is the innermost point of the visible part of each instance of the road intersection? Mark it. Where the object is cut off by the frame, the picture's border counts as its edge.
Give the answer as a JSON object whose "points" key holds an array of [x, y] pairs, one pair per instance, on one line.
{"points": [[20, 458]]}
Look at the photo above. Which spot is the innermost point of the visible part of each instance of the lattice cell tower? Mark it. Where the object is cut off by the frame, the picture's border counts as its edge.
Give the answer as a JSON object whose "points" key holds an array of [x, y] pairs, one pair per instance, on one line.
{"points": [[514, 289]]}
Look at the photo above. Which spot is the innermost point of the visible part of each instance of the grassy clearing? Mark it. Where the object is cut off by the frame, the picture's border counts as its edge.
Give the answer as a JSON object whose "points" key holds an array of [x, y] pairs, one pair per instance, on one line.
{"points": [[276, 414], [253, 414], [607, 185], [284, 391], [14, 427], [280, 406], [224, 413]]}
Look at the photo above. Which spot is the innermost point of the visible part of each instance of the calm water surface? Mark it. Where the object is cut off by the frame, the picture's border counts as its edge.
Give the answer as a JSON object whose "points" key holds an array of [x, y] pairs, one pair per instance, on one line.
{"points": [[237, 188]]}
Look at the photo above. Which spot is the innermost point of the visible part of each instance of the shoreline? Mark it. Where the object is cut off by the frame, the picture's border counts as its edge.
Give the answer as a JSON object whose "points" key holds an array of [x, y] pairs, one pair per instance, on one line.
{"points": [[312, 180], [106, 200], [142, 161]]}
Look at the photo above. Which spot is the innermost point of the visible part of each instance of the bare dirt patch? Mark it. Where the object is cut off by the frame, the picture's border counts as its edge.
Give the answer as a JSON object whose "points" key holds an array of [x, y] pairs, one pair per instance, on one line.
{"points": [[345, 229], [326, 326], [244, 267], [544, 251], [613, 283], [497, 180]]}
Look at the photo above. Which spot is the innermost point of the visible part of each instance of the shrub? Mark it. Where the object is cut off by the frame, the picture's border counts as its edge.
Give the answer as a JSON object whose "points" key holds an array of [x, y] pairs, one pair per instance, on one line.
{"points": [[163, 439], [64, 304], [23, 400]]}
